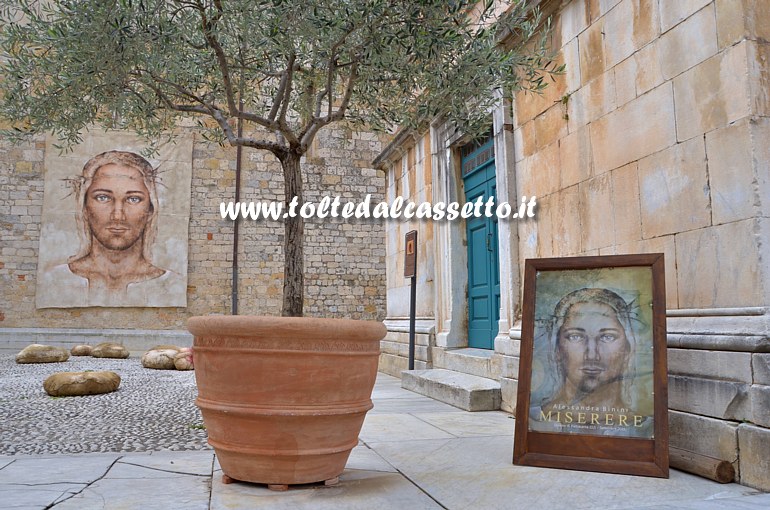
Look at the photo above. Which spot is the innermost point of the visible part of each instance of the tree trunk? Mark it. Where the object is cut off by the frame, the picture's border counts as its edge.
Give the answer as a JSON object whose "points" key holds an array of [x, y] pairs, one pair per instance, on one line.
{"points": [[293, 250]]}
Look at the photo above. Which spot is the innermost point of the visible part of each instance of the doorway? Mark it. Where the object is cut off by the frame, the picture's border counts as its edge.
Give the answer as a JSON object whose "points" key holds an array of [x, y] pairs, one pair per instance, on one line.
{"points": [[478, 173]]}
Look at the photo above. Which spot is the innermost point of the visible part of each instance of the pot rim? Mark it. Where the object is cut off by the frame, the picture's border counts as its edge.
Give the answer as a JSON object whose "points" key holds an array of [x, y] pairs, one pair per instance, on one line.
{"points": [[258, 325]]}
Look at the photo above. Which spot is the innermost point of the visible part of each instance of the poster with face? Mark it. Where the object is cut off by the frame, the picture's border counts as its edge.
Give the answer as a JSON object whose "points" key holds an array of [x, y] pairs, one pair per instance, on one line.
{"points": [[592, 362], [115, 224]]}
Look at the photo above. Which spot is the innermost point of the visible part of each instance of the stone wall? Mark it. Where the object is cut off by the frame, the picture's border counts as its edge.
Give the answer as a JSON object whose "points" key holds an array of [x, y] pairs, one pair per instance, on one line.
{"points": [[413, 181], [652, 142], [345, 269], [656, 140]]}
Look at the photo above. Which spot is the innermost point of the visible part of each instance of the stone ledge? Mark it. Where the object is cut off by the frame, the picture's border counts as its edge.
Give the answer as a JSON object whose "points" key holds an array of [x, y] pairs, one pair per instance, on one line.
{"points": [[478, 362], [754, 445], [423, 339], [741, 322], [393, 365], [421, 352], [731, 366], [719, 342], [509, 389], [468, 392], [710, 437], [760, 367], [131, 339], [421, 326], [708, 397]]}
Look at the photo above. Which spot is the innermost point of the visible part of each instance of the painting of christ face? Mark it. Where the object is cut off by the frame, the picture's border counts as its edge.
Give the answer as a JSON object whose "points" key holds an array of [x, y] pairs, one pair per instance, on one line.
{"points": [[117, 206], [115, 223], [592, 347]]}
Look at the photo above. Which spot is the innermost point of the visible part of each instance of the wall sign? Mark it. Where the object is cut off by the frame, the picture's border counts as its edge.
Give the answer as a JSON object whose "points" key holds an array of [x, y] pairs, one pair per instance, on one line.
{"points": [[410, 254]]}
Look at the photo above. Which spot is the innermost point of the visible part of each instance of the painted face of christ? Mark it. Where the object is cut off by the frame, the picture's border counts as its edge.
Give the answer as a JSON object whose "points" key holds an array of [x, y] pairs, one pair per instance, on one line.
{"points": [[118, 220], [592, 347], [117, 207]]}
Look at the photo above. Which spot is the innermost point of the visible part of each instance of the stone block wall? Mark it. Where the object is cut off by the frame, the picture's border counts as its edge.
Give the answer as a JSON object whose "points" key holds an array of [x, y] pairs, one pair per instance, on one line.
{"points": [[720, 408], [345, 260], [507, 351], [652, 141], [412, 179], [394, 348], [656, 140]]}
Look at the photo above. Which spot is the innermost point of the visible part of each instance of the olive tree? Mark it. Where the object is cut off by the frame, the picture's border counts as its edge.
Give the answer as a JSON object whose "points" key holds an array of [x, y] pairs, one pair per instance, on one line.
{"points": [[286, 68]]}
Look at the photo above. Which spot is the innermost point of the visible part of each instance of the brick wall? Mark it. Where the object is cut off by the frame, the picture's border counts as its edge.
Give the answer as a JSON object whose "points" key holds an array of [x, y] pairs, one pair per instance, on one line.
{"points": [[345, 261]]}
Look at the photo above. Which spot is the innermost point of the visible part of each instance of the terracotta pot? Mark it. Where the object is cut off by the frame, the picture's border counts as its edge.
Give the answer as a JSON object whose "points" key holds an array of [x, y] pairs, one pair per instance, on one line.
{"points": [[284, 398]]}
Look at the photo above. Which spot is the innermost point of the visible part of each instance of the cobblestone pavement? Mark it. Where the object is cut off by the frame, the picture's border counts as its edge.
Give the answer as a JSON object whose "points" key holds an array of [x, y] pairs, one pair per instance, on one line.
{"points": [[152, 410]]}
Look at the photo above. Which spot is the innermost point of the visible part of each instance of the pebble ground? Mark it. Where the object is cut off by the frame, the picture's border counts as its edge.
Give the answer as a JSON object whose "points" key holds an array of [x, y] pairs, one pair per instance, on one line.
{"points": [[152, 410]]}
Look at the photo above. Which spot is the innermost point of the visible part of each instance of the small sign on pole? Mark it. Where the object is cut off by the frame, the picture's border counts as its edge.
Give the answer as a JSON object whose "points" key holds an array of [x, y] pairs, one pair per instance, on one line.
{"points": [[410, 250], [410, 271]]}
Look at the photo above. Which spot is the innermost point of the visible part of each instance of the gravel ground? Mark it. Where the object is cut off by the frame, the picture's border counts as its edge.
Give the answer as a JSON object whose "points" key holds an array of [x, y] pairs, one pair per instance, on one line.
{"points": [[152, 410]]}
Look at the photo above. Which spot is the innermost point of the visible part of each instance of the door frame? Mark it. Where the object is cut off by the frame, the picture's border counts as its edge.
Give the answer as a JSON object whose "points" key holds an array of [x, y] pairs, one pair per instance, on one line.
{"points": [[480, 180], [451, 279]]}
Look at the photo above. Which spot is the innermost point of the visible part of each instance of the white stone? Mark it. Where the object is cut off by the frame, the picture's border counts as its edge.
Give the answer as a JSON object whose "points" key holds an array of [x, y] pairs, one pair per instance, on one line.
{"points": [[468, 392]]}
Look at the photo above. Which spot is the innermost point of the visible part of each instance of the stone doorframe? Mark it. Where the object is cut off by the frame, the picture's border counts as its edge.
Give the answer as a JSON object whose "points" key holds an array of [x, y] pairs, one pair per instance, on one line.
{"points": [[451, 278]]}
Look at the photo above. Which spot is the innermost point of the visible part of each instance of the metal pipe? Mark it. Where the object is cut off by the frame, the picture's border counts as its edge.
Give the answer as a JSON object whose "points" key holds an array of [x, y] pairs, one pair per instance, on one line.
{"points": [[412, 316], [237, 224]]}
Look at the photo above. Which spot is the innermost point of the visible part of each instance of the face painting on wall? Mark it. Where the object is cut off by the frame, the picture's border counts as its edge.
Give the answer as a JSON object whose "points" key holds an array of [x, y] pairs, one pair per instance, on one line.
{"points": [[117, 212]]}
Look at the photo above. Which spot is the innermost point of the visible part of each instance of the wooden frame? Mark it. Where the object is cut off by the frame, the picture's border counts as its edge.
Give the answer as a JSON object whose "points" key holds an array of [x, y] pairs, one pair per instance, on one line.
{"points": [[591, 395]]}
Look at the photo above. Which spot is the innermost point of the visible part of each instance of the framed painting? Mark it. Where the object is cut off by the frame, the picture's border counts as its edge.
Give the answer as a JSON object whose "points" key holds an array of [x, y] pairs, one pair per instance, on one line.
{"points": [[114, 223], [592, 391]]}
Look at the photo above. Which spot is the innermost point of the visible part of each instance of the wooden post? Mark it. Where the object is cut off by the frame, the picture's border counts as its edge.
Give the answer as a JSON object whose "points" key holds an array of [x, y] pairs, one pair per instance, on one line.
{"points": [[721, 471]]}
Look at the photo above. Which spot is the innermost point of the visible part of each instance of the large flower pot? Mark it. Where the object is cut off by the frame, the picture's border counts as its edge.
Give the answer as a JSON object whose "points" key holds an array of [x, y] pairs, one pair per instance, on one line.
{"points": [[284, 398]]}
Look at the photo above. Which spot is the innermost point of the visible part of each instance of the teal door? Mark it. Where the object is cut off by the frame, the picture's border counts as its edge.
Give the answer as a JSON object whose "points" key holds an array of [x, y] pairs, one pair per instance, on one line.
{"points": [[478, 167]]}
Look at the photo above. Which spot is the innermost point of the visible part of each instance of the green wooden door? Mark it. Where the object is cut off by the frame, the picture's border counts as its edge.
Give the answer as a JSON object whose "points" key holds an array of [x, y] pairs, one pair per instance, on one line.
{"points": [[478, 166]]}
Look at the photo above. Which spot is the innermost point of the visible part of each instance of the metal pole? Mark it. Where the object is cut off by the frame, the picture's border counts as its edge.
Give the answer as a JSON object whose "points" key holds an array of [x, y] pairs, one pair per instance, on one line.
{"points": [[412, 314], [236, 226]]}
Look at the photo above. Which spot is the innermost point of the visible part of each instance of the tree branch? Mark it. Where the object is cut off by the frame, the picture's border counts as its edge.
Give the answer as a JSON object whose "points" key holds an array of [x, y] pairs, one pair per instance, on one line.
{"points": [[173, 106], [179, 88], [213, 43], [332, 69], [276, 148], [256, 119], [279, 95], [348, 92], [306, 137], [286, 99]]}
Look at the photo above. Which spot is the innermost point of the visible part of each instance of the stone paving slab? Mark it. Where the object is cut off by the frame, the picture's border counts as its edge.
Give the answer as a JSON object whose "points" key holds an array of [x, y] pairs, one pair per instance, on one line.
{"points": [[35, 498], [179, 463], [418, 458], [34, 482], [368, 482], [488, 423], [753, 502], [408, 405], [400, 428], [49, 470], [148, 493], [483, 467]]}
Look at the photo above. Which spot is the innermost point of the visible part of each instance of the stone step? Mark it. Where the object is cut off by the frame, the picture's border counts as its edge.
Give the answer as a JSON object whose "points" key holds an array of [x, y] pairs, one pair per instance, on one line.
{"points": [[478, 362], [468, 392]]}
